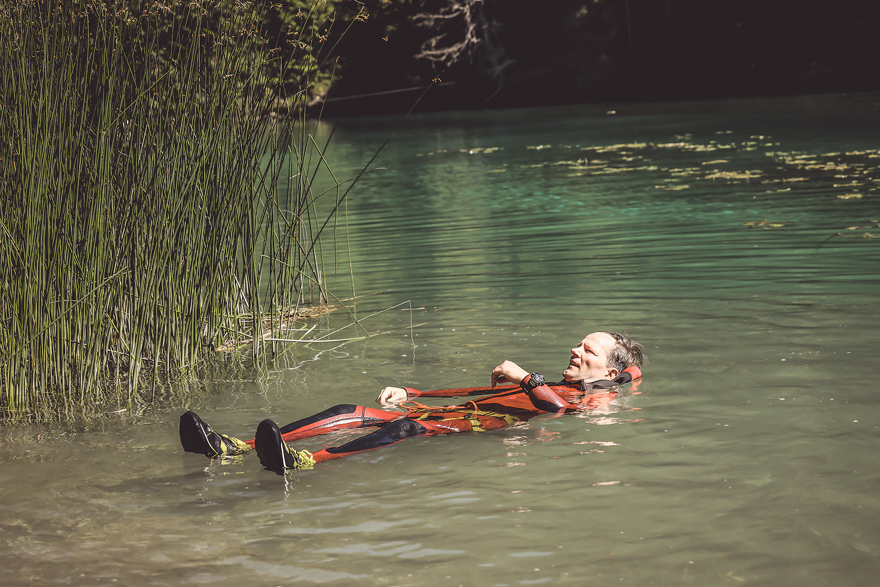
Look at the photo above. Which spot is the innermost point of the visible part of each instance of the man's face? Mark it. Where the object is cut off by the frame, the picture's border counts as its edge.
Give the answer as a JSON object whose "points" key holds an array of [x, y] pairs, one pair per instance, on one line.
{"points": [[589, 359]]}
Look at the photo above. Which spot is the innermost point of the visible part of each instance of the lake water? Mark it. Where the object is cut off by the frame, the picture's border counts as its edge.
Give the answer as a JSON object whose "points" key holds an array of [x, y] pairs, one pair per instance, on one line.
{"points": [[740, 241]]}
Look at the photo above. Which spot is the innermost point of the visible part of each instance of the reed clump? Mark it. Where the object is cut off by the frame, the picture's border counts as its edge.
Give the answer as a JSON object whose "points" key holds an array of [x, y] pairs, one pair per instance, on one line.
{"points": [[156, 172]]}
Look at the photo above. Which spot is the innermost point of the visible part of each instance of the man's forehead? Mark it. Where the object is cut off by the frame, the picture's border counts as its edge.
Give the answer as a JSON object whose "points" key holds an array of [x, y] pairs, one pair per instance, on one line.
{"points": [[602, 339]]}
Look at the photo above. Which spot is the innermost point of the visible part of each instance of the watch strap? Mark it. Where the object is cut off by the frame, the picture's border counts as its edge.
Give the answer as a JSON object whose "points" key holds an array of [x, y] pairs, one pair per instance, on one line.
{"points": [[532, 380]]}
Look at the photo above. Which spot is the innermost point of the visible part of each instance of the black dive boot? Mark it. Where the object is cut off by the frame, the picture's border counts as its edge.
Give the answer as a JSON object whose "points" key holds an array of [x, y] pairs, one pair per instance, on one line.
{"points": [[273, 452], [196, 436]]}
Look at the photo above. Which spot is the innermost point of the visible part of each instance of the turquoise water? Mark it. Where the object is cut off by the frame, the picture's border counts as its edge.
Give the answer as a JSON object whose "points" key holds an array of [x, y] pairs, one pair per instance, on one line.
{"points": [[740, 241]]}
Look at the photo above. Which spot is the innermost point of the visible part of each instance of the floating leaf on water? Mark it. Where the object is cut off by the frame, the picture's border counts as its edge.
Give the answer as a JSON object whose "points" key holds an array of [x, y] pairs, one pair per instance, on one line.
{"points": [[715, 162], [552, 164], [735, 175], [865, 548], [866, 235], [850, 196], [619, 147], [767, 224], [480, 150], [609, 170]]}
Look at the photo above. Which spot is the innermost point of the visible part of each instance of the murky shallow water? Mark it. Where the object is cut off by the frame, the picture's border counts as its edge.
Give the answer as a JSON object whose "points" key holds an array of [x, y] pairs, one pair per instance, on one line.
{"points": [[747, 456]]}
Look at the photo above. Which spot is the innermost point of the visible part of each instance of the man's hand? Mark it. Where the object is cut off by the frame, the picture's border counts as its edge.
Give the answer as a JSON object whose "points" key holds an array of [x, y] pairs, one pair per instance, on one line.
{"points": [[391, 395], [508, 372]]}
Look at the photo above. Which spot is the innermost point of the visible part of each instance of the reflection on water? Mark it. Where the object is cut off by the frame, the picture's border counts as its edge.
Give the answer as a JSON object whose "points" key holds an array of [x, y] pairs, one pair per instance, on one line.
{"points": [[740, 243]]}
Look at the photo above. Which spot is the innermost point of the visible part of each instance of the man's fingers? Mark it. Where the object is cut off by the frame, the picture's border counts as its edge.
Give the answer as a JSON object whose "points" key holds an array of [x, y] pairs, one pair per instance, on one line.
{"points": [[391, 395], [498, 375]]}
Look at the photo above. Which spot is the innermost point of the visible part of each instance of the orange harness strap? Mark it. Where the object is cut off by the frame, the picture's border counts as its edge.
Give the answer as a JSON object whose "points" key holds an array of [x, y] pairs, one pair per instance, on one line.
{"points": [[411, 405]]}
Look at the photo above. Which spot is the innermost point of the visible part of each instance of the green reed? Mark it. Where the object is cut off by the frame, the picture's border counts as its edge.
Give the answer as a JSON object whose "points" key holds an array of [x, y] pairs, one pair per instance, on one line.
{"points": [[144, 145]]}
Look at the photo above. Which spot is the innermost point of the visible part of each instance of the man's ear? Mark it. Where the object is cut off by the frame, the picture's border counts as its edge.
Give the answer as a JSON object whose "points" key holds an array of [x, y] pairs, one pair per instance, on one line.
{"points": [[612, 374]]}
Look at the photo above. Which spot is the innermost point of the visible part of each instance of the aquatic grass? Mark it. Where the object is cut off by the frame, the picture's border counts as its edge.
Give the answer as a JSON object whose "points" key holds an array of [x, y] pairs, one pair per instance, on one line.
{"points": [[145, 220]]}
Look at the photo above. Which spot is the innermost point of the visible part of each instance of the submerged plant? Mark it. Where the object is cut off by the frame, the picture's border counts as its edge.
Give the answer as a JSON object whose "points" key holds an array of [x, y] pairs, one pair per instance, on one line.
{"points": [[157, 174]]}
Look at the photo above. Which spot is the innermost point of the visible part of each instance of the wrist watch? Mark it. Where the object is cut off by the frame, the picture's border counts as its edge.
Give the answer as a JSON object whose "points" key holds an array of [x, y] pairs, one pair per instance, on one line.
{"points": [[535, 380]]}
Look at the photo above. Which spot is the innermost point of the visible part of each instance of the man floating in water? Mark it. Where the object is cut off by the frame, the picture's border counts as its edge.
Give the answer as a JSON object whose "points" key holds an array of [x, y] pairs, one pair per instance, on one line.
{"points": [[600, 361]]}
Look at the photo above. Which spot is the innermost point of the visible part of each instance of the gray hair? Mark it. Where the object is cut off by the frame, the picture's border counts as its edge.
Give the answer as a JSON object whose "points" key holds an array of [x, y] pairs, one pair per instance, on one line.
{"points": [[626, 352]]}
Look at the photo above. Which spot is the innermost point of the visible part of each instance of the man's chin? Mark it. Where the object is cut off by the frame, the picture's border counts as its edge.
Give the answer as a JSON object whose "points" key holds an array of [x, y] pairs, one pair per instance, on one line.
{"points": [[567, 375]]}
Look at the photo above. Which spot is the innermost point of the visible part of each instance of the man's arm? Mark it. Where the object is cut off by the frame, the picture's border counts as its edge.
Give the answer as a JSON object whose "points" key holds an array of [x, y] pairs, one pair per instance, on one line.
{"points": [[395, 395], [544, 398], [506, 372]]}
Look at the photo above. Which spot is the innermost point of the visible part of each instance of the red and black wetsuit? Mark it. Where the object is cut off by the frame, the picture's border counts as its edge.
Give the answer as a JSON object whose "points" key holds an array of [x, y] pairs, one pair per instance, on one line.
{"points": [[507, 405]]}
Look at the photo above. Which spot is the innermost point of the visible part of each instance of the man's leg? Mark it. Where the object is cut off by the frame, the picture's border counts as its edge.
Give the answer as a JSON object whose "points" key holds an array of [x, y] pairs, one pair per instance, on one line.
{"points": [[433, 423], [388, 434], [198, 437], [338, 417], [276, 456]]}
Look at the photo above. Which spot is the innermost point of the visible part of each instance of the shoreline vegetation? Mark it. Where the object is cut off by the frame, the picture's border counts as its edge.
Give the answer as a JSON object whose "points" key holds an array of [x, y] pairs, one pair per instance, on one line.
{"points": [[160, 203]]}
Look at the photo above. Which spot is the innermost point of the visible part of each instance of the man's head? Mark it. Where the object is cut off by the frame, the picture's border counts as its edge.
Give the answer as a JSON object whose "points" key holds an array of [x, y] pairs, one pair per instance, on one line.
{"points": [[603, 355]]}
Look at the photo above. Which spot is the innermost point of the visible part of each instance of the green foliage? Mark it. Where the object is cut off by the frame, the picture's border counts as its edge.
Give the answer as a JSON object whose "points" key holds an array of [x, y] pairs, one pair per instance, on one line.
{"points": [[147, 214]]}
